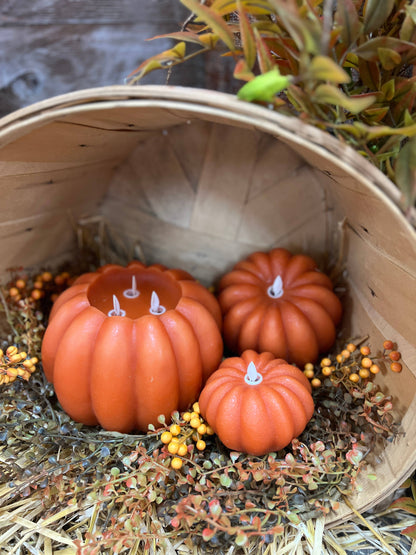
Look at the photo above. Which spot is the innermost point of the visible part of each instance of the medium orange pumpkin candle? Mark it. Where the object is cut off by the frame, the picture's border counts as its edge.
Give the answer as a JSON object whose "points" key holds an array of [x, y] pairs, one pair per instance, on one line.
{"points": [[126, 344], [281, 303], [256, 403]]}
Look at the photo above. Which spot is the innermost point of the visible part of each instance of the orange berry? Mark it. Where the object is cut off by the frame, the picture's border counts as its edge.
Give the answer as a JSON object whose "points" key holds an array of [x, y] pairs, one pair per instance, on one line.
{"points": [[34, 360], [175, 430], [182, 450], [326, 362], [65, 275], [20, 283], [354, 377], [374, 368], [351, 347], [187, 416], [13, 291], [316, 382], [345, 353], [388, 345], [396, 367], [59, 280], [366, 362], [195, 422], [395, 355], [327, 370], [200, 444], [364, 373], [176, 463], [195, 406], [210, 431], [202, 429], [38, 284], [308, 366], [166, 437], [309, 374], [173, 447], [47, 276], [365, 350], [12, 350], [36, 294], [339, 358]]}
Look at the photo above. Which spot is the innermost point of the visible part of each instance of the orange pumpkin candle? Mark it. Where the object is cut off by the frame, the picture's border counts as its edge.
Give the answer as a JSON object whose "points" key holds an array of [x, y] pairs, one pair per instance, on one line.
{"points": [[256, 403], [126, 344], [281, 303]]}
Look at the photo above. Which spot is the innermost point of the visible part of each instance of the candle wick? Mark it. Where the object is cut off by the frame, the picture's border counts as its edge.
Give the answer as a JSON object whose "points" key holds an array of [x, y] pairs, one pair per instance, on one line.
{"points": [[116, 310], [155, 307], [132, 293], [275, 291], [252, 377]]}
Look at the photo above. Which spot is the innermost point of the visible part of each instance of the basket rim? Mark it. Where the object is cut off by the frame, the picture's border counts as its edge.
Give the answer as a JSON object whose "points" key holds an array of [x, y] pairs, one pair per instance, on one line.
{"points": [[274, 123]]}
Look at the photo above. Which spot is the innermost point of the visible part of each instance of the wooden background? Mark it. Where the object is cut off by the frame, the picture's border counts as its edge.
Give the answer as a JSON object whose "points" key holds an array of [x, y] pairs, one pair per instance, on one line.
{"points": [[50, 47]]}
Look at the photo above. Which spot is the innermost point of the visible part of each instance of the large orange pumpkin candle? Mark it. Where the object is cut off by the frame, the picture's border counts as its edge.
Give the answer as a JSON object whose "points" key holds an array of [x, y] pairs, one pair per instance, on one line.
{"points": [[126, 344], [281, 303], [256, 403]]}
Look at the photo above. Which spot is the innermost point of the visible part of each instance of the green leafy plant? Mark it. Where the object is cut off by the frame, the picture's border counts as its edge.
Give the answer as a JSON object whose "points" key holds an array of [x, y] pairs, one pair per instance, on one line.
{"points": [[347, 67]]}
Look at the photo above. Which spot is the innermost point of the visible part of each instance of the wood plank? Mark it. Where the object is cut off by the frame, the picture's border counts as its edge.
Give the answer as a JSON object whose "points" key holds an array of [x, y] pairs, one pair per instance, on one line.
{"points": [[40, 239], [28, 194], [206, 257], [282, 208], [225, 181], [275, 162], [65, 141], [162, 180]]}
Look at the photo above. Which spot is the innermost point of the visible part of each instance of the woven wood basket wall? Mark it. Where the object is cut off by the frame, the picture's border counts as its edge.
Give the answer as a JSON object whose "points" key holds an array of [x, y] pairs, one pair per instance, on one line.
{"points": [[198, 180]]}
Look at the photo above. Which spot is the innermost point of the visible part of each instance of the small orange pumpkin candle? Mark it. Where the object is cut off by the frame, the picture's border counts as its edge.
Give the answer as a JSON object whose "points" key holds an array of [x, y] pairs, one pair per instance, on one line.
{"points": [[281, 303], [256, 403], [126, 344]]}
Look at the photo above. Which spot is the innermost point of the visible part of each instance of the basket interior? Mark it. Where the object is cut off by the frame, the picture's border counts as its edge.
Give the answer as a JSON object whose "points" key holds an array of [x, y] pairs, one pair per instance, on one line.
{"points": [[199, 190]]}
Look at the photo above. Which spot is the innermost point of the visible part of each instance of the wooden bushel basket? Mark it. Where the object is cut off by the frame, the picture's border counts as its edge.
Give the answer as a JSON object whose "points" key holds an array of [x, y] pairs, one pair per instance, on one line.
{"points": [[198, 180]]}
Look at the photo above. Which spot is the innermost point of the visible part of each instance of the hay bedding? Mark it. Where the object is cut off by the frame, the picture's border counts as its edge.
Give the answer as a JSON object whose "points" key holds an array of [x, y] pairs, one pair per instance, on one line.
{"points": [[67, 488]]}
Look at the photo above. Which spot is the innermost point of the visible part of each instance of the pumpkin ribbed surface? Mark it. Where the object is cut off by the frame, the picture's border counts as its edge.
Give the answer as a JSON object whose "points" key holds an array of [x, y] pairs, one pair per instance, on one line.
{"points": [[260, 418], [122, 372], [295, 321]]}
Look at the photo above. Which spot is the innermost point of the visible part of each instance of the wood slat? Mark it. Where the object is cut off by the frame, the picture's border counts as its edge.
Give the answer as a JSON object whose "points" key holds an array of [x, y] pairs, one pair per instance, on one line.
{"points": [[225, 181], [282, 207], [161, 179]]}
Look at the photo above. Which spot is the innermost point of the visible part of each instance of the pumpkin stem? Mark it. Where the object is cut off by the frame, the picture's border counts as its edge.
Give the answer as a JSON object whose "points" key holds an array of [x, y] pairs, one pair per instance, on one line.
{"points": [[116, 311], [276, 290], [155, 307], [252, 377], [133, 292]]}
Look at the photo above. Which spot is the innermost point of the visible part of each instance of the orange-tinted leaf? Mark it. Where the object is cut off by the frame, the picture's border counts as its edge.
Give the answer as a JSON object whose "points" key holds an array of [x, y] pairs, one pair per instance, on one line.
{"points": [[388, 89], [324, 68], [347, 18], [375, 13], [370, 50], [406, 504], [242, 71], [213, 19], [247, 36], [376, 114], [410, 531], [328, 94], [186, 36], [264, 56], [162, 60], [405, 172], [389, 58]]}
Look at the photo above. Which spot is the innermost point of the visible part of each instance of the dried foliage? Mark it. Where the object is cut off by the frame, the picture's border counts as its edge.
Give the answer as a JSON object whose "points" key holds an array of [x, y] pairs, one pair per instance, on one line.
{"points": [[346, 67], [109, 492]]}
